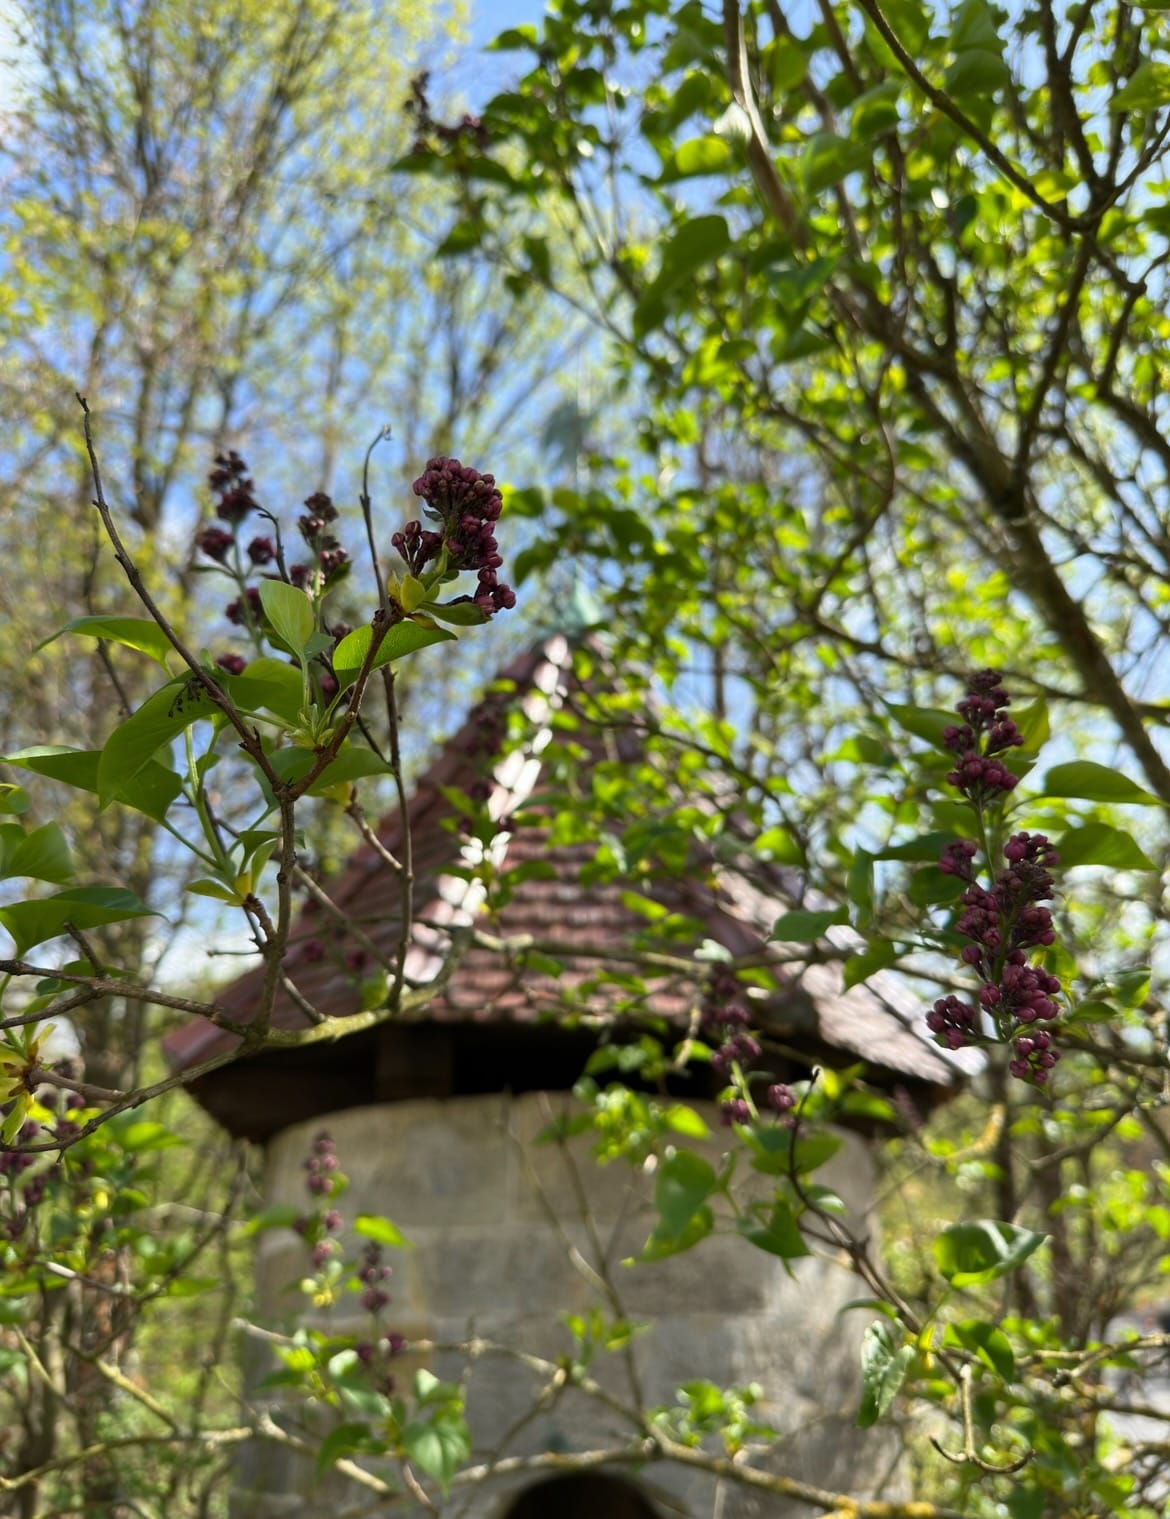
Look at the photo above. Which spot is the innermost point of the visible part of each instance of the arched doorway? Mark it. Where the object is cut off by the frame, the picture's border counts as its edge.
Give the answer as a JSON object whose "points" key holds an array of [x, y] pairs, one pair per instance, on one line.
{"points": [[580, 1495]]}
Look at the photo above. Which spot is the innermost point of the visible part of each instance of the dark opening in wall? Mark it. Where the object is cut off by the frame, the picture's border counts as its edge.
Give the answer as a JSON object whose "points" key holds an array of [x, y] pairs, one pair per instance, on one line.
{"points": [[581, 1495]]}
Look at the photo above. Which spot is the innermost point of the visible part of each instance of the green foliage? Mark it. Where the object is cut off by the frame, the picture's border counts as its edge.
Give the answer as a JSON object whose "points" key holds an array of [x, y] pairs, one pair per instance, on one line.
{"points": [[882, 298]]}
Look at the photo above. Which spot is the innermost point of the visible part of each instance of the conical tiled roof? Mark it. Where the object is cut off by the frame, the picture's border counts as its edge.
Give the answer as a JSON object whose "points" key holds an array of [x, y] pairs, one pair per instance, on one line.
{"points": [[598, 929]]}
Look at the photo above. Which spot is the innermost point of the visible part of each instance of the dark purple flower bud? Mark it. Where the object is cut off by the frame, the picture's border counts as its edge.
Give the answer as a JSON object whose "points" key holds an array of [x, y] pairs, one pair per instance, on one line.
{"points": [[234, 664], [261, 550], [229, 481], [215, 543], [780, 1098], [247, 609], [736, 1111], [313, 951], [321, 506]]}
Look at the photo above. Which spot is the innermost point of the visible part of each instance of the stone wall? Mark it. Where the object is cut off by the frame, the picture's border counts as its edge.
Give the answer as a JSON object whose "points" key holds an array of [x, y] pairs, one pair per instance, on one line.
{"points": [[508, 1236]]}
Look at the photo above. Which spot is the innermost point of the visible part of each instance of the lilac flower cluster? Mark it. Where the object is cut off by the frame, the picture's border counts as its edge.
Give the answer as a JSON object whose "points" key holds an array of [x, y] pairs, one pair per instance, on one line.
{"points": [[234, 490], [235, 496], [331, 558], [372, 1274], [726, 1022], [319, 1228], [26, 1193], [1004, 923], [985, 732], [468, 128], [467, 506], [322, 1165], [374, 1355]]}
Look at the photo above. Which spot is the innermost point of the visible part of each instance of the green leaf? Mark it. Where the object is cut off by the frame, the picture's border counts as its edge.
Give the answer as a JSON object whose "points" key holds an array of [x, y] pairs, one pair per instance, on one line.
{"points": [[786, 63], [42, 855], [883, 1370], [32, 923], [879, 954], [827, 159], [697, 242], [411, 592], [875, 112], [161, 718], [926, 723], [150, 791], [1147, 88], [352, 764], [806, 927], [987, 1342], [515, 39], [683, 1120], [1099, 844], [278, 1216], [1034, 726], [439, 1447], [780, 1235], [928, 847], [779, 845], [971, 1254], [374, 1226], [139, 633], [1089, 782], [290, 612], [460, 614], [778, 1151], [977, 73], [974, 27], [700, 155], [402, 639], [268, 684], [860, 886], [929, 887], [663, 1242], [214, 889], [142, 1135], [345, 1440], [685, 1181], [13, 799]]}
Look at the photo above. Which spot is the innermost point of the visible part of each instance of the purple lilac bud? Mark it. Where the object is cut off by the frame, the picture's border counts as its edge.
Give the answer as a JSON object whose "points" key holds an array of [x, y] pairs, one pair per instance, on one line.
{"points": [[254, 612], [216, 543], [953, 1023], [956, 858], [1005, 922], [229, 480], [453, 492], [736, 1111], [234, 664], [261, 551], [373, 1273], [467, 505], [781, 1098], [321, 1164]]}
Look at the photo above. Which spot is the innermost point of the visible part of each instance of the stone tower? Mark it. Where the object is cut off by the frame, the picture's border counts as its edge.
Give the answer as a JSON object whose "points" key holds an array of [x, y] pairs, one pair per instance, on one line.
{"points": [[459, 1126]]}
